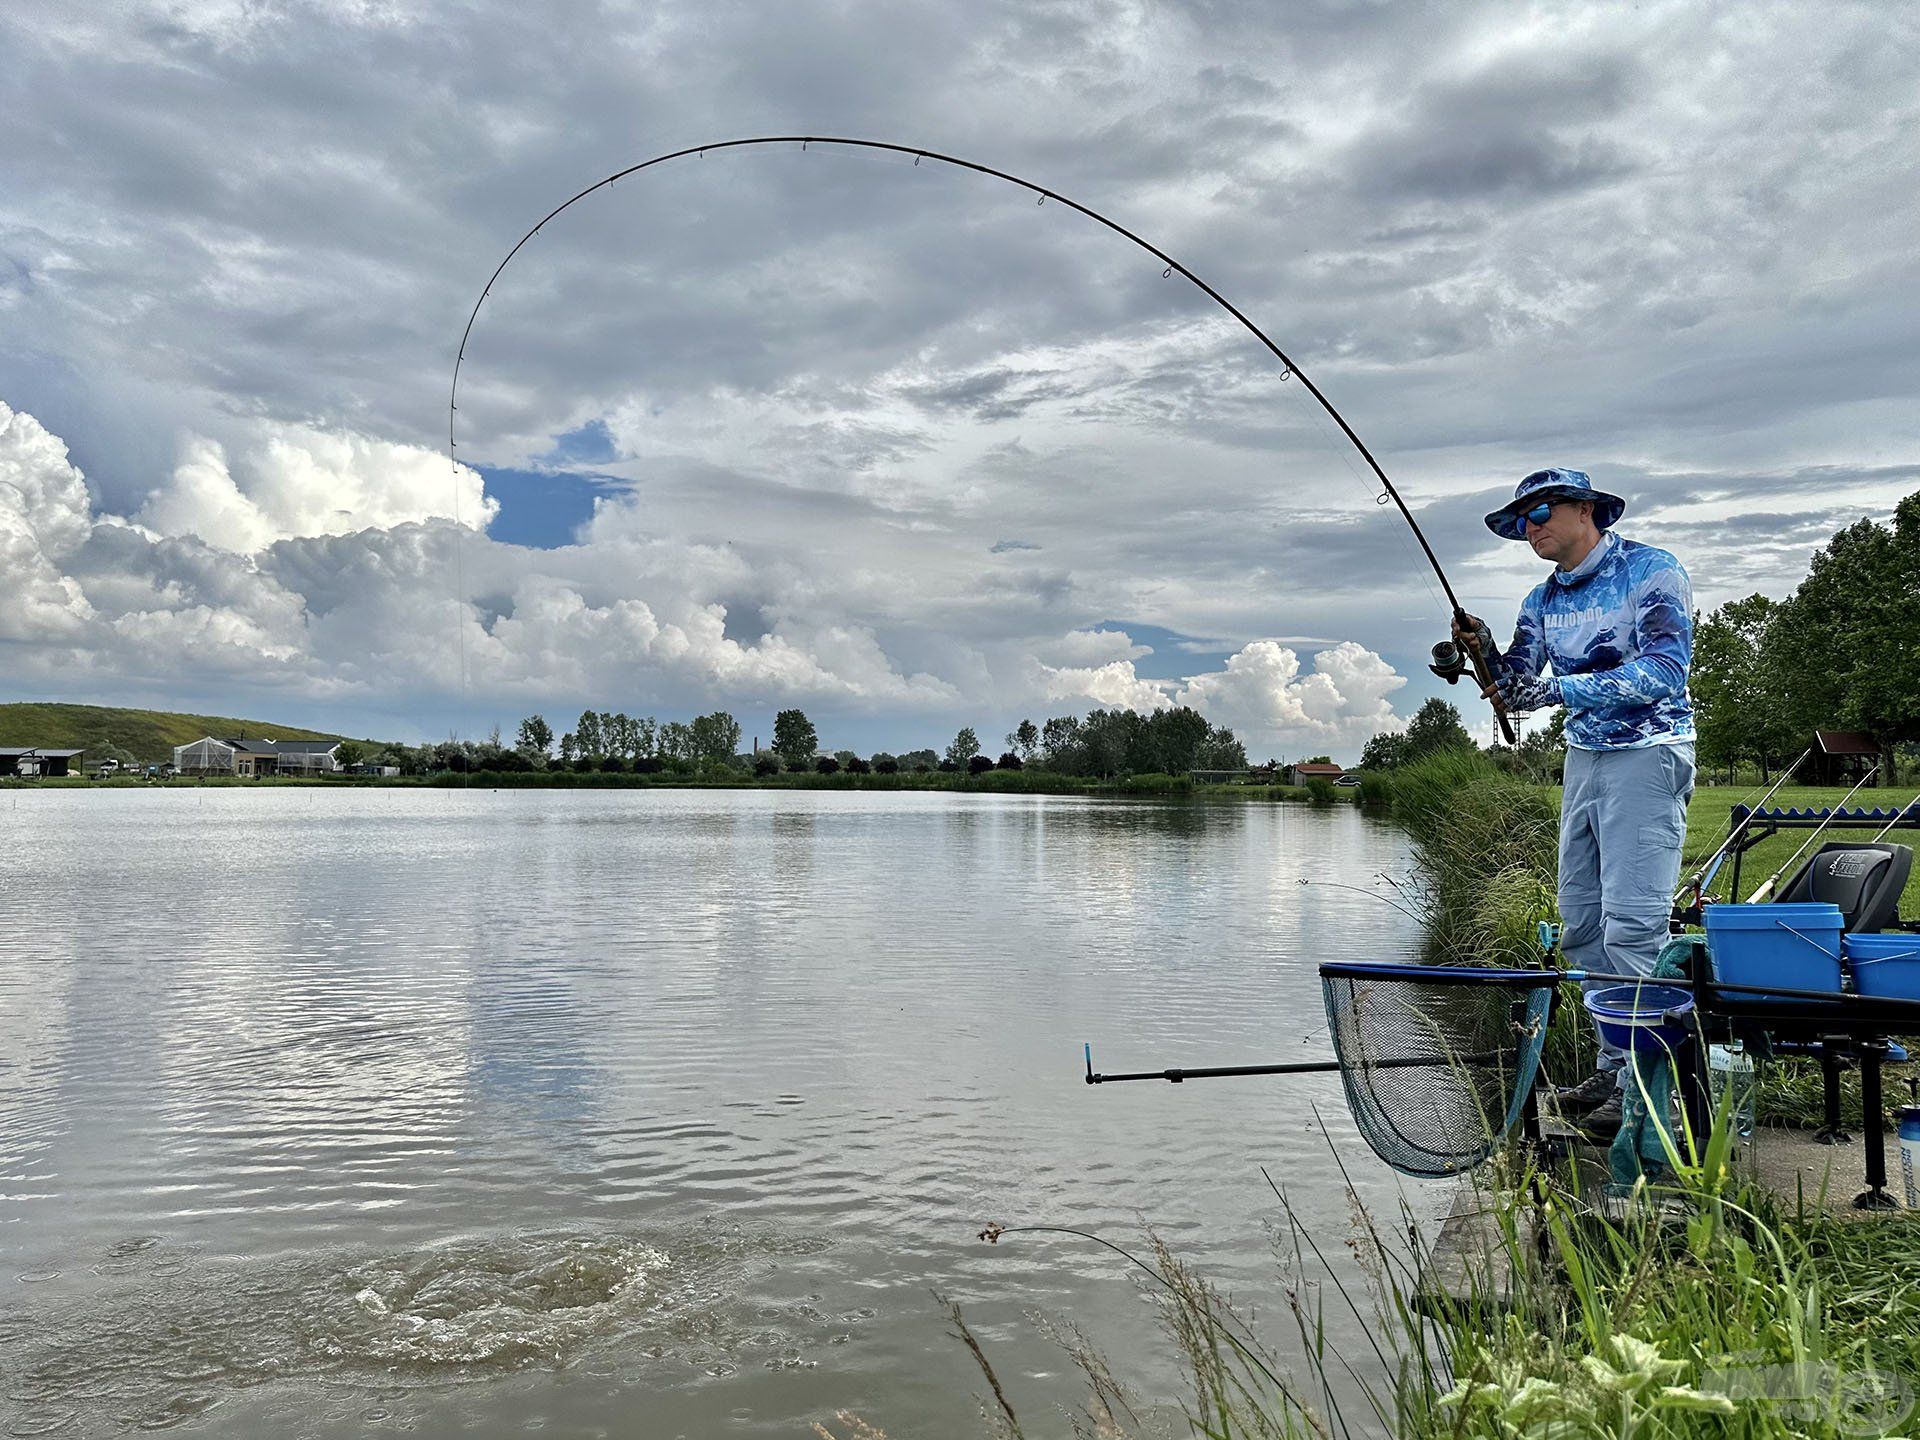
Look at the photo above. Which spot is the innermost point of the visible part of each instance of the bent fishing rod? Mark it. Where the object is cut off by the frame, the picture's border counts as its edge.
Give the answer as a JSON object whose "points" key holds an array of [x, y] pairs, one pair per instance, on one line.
{"points": [[1481, 661], [1760, 895]]}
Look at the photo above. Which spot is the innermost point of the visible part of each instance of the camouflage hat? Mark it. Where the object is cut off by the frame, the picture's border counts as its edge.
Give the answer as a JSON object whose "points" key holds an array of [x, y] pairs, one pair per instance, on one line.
{"points": [[1554, 484]]}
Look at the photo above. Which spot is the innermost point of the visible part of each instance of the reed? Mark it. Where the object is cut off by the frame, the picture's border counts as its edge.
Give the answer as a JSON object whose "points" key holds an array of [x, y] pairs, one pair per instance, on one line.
{"points": [[1701, 1308]]}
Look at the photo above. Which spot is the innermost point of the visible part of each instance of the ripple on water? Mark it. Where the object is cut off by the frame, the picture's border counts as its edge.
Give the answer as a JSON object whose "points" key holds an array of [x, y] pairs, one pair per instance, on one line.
{"points": [[158, 1356]]}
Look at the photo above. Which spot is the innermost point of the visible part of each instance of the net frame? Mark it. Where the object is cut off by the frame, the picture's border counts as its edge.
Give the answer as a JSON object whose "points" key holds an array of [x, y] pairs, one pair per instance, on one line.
{"points": [[1437, 1061]]}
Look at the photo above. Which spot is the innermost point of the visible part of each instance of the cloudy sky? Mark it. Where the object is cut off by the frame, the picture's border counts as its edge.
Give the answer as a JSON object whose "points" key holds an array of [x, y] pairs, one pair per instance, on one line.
{"points": [[889, 442]]}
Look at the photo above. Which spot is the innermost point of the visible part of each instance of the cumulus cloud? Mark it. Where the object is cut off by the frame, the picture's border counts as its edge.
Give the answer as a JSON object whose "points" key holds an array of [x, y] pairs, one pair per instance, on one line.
{"points": [[43, 519], [1260, 693], [1113, 685], [297, 480], [1264, 697]]}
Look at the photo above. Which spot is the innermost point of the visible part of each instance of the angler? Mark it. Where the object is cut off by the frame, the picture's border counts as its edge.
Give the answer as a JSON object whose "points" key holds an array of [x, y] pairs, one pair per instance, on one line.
{"points": [[1614, 624]]}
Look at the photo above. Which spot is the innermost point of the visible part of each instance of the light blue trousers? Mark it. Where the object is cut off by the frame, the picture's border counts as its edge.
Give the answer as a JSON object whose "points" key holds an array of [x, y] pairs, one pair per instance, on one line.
{"points": [[1623, 817]]}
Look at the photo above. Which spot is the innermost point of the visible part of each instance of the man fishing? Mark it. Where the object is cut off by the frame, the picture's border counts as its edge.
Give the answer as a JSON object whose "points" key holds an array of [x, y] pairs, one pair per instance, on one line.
{"points": [[1614, 624]]}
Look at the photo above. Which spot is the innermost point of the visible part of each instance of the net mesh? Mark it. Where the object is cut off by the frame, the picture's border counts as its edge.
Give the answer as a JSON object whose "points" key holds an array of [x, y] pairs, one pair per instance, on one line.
{"points": [[1437, 1064]]}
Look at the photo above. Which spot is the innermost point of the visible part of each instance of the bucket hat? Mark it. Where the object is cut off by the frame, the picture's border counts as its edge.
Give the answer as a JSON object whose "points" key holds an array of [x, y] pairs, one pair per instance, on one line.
{"points": [[1554, 484]]}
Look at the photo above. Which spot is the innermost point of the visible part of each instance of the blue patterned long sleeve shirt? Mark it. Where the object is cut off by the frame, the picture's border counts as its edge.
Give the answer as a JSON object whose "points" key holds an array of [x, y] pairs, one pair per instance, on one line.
{"points": [[1618, 633]]}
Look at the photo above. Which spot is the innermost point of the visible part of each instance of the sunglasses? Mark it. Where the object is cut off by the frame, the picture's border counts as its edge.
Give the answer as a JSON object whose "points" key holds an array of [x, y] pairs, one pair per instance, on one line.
{"points": [[1539, 513]]}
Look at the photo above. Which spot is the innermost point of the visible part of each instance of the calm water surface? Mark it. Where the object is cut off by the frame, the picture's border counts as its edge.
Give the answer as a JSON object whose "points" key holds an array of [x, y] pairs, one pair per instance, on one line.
{"points": [[332, 1113]]}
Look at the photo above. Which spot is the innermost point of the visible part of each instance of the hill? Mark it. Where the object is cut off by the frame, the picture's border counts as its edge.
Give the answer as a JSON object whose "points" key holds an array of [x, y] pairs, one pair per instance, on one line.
{"points": [[141, 734]]}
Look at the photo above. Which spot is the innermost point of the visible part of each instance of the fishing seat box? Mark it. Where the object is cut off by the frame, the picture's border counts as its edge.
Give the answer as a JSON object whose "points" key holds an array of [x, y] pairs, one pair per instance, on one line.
{"points": [[1787, 946]]}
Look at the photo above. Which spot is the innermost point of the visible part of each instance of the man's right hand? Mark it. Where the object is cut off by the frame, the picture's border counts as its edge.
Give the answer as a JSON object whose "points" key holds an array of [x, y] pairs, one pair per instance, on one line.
{"points": [[1475, 633]]}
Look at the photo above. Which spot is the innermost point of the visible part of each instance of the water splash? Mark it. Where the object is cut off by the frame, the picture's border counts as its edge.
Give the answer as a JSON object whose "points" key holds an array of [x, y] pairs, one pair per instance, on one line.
{"points": [[182, 1337], [487, 1302]]}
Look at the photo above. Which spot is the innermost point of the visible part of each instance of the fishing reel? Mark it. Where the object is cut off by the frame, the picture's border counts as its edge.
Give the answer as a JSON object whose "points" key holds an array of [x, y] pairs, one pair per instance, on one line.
{"points": [[1449, 662]]}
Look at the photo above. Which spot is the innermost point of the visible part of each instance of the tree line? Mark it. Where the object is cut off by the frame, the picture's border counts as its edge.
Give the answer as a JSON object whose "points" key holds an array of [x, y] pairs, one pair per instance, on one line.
{"points": [[1105, 744]]}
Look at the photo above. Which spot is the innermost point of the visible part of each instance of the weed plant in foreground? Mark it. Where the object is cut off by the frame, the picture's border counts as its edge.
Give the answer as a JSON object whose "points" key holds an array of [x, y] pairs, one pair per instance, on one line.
{"points": [[1701, 1308]]}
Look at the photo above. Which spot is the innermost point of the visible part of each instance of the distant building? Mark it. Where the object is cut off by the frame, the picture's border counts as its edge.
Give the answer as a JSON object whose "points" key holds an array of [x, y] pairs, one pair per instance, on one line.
{"points": [[1303, 772], [36, 760], [255, 759], [1840, 757], [307, 757]]}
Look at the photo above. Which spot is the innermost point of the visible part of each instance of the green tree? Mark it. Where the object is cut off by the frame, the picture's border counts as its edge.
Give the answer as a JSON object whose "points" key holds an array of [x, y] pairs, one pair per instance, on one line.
{"points": [[1738, 715], [591, 743], [962, 748], [1843, 649], [1060, 744], [794, 740], [676, 743], [1024, 739], [535, 740], [1220, 751], [1386, 751], [714, 739], [1114, 742], [349, 754], [1436, 726], [1174, 738], [569, 748]]}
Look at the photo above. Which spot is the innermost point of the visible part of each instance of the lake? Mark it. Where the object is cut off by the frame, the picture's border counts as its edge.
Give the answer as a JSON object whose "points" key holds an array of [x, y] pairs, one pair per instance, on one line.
{"points": [[644, 1113]]}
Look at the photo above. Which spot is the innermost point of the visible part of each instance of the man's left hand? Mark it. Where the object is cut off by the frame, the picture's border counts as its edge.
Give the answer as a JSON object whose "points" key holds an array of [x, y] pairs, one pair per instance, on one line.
{"points": [[1525, 696]]}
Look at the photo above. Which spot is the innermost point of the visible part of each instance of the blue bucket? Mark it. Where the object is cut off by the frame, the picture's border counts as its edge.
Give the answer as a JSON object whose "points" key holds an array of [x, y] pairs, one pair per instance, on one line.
{"points": [[1786, 947], [1886, 967], [1641, 1017]]}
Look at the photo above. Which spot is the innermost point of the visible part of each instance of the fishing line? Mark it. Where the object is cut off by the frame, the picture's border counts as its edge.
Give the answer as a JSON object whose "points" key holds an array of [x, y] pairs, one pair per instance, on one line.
{"points": [[992, 1235], [1739, 827], [1760, 895], [1172, 266]]}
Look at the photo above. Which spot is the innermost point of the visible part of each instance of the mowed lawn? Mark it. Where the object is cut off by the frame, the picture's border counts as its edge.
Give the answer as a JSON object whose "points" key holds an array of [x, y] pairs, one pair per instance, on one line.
{"points": [[1709, 820]]}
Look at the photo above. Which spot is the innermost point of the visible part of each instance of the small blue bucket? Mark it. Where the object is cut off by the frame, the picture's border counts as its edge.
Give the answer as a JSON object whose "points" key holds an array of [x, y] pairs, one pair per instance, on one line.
{"points": [[1641, 1017], [1786, 947], [1886, 967]]}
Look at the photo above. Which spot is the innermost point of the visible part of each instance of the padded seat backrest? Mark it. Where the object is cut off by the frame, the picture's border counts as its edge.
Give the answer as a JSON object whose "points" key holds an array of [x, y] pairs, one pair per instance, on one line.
{"points": [[1864, 880]]}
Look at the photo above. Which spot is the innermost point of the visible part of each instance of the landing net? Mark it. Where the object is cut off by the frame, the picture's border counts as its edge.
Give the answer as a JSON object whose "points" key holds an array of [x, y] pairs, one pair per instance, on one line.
{"points": [[1437, 1061]]}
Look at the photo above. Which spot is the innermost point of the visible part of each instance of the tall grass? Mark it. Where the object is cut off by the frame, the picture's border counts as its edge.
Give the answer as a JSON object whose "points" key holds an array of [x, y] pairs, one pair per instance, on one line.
{"points": [[1485, 843], [1701, 1309]]}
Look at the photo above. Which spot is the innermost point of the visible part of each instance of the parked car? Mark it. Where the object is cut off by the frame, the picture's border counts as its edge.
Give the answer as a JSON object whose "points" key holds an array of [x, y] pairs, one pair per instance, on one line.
{"points": [[1348, 782]]}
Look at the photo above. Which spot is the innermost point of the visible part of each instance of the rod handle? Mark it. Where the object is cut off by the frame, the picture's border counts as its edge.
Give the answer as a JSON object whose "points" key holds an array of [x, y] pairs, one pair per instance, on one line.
{"points": [[1483, 671]]}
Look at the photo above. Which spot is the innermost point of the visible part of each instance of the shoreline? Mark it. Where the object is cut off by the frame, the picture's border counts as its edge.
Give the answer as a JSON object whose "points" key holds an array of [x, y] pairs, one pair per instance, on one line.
{"points": [[992, 783]]}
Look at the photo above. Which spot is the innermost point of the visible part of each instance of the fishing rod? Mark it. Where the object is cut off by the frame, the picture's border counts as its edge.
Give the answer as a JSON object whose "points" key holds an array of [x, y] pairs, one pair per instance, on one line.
{"points": [[1299, 1067], [1698, 881], [1840, 1000], [1482, 662], [1772, 880], [1898, 816]]}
